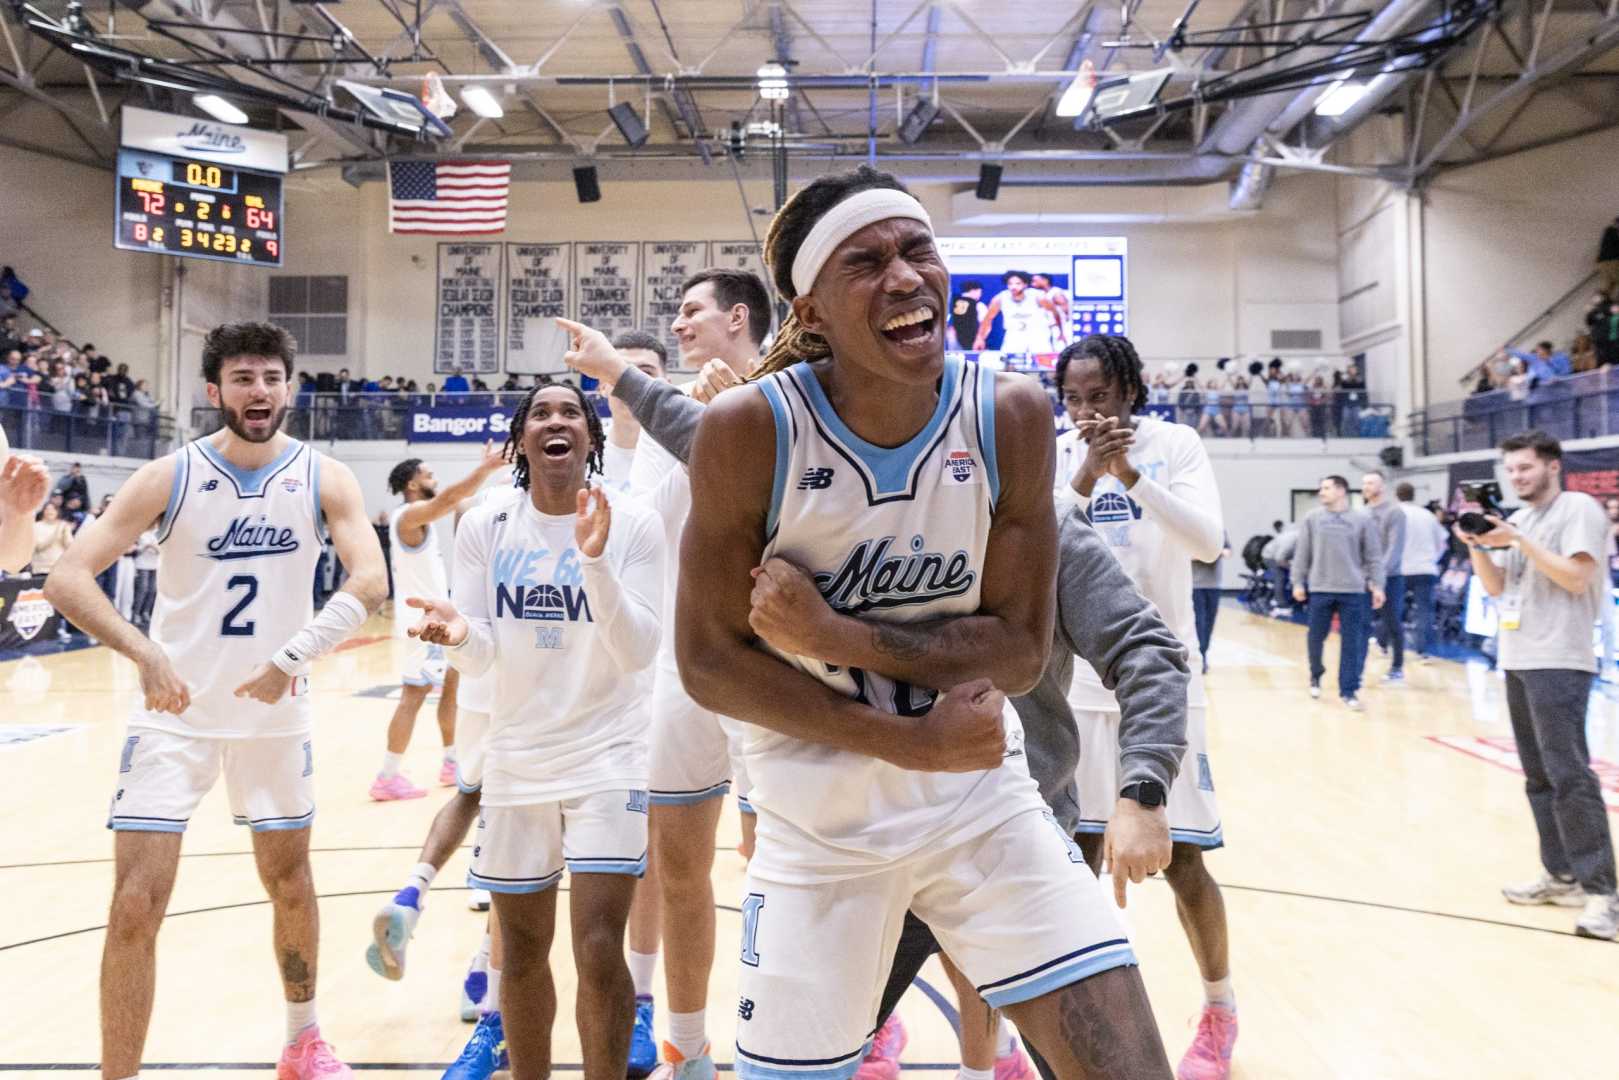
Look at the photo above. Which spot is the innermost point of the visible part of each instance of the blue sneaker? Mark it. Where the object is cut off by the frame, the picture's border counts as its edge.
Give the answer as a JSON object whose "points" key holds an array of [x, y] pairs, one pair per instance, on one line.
{"points": [[643, 1047], [473, 989], [391, 930], [676, 1067], [485, 1052]]}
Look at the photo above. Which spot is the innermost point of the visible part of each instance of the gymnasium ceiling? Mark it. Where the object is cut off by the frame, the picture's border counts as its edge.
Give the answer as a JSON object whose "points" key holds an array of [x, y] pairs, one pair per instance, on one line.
{"points": [[1478, 79]]}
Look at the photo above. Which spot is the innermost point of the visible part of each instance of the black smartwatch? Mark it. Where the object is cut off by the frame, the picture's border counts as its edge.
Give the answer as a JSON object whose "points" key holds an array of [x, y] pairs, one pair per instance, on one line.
{"points": [[1149, 793]]}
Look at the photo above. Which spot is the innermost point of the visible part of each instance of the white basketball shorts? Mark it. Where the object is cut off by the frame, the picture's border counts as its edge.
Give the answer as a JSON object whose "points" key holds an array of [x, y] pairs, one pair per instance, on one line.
{"points": [[1194, 814], [1016, 908], [162, 776], [688, 753], [523, 849], [471, 726]]}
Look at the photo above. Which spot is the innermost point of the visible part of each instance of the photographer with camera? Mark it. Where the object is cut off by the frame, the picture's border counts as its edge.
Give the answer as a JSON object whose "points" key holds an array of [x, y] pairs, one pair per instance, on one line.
{"points": [[1544, 566]]}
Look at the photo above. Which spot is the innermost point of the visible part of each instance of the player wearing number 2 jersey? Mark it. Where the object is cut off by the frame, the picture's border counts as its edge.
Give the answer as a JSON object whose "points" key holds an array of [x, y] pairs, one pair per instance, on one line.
{"points": [[240, 516], [867, 569]]}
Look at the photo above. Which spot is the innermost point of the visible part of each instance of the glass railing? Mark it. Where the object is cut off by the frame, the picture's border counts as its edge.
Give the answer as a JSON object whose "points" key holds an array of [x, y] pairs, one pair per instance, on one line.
{"points": [[115, 430], [1574, 407]]}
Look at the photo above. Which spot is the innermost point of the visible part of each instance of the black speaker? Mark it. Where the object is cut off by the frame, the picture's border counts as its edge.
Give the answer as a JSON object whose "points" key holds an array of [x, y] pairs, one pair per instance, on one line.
{"points": [[1392, 456], [628, 123], [989, 182], [584, 182]]}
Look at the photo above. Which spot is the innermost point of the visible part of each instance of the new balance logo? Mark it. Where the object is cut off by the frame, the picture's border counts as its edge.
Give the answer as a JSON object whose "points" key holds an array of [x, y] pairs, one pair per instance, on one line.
{"points": [[208, 485], [815, 480]]}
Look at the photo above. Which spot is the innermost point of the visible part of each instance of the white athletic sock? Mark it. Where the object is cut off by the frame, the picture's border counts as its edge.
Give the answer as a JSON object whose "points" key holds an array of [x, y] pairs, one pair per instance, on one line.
{"points": [[390, 764], [449, 754], [491, 998], [1220, 993], [641, 965], [1005, 1039], [688, 1032], [422, 877], [300, 1015], [484, 948], [965, 1073]]}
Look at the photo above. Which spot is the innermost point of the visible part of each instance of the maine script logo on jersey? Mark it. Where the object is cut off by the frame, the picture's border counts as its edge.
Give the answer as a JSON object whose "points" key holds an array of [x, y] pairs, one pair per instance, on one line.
{"points": [[249, 537], [872, 578]]}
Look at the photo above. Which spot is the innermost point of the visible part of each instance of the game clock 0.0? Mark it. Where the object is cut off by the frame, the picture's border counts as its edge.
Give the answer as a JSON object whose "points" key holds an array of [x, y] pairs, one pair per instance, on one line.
{"points": [[198, 209]]}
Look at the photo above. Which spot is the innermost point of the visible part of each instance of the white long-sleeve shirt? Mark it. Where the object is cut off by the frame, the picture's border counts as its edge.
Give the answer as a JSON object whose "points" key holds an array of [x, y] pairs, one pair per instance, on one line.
{"points": [[565, 636], [1155, 529]]}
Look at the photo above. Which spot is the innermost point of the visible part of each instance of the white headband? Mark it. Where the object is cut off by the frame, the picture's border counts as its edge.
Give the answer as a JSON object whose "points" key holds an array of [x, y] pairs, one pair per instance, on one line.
{"points": [[843, 221]]}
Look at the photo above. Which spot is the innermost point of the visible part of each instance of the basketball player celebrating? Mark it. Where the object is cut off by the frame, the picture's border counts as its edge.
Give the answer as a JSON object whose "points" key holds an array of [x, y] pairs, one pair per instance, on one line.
{"points": [[24, 483], [240, 515], [559, 595], [1025, 314], [418, 570], [724, 316], [909, 492], [1061, 306], [1148, 488]]}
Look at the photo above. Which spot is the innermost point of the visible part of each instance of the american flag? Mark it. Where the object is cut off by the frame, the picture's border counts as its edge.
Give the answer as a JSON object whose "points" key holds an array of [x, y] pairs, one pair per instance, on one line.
{"points": [[448, 196]]}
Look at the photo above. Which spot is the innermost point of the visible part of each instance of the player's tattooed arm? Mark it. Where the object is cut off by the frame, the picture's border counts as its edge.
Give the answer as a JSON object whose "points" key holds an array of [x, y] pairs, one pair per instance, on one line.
{"points": [[352, 534], [1007, 639], [722, 664]]}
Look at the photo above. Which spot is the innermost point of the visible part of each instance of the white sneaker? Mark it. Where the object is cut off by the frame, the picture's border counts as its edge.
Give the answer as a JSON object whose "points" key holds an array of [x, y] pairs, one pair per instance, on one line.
{"points": [[1600, 919], [1353, 704], [1546, 890], [478, 900], [1315, 688]]}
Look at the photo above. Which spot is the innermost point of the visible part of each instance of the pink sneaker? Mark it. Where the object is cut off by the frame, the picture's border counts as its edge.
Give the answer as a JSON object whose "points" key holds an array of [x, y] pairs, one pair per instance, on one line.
{"points": [[389, 788], [310, 1059], [446, 774], [882, 1060], [1209, 1057], [1014, 1066]]}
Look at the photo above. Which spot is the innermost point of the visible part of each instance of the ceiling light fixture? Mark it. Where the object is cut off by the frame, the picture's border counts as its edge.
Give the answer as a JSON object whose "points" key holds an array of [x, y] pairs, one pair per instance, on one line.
{"points": [[482, 102], [218, 108], [1341, 98], [773, 82]]}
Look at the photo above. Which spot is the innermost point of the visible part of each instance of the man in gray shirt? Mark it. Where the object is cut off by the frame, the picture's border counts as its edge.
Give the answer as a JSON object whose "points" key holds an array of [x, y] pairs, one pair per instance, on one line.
{"points": [[1339, 559], [1544, 564], [1101, 618], [1390, 619]]}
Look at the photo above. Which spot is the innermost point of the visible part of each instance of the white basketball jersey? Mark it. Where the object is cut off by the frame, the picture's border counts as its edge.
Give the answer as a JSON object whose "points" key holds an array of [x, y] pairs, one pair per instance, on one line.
{"points": [[1027, 325], [477, 693], [893, 535], [616, 462], [235, 575], [417, 571]]}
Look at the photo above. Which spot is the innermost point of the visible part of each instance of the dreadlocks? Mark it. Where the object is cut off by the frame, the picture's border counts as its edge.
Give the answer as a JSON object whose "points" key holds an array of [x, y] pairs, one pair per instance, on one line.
{"points": [[788, 231], [1118, 361], [514, 437]]}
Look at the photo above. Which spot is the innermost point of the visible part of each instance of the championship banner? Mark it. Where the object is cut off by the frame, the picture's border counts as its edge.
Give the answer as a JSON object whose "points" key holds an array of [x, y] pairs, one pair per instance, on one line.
{"points": [[738, 255], [1595, 472], [605, 275], [666, 264], [459, 423], [467, 331], [539, 289], [27, 619]]}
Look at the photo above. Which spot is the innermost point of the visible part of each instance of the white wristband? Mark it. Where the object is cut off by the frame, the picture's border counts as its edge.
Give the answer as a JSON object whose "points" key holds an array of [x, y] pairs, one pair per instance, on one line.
{"points": [[341, 616]]}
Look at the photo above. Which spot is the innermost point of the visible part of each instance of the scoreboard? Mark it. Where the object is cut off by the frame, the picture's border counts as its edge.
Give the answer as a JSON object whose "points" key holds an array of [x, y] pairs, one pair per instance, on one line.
{"points": [[198, 208]]}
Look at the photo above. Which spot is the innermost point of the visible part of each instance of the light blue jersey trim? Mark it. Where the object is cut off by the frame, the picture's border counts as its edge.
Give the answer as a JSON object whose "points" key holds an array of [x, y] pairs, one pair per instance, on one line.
{"points": [[744, 806], [314, 494], [137, 825], [689, 798], [516, 888], [891, 468], [466, 789], [749, 1067], [277, 824], [177, 493], [249, 482], [632, 867], [986, 432], [1080, 967], [778, 487]]}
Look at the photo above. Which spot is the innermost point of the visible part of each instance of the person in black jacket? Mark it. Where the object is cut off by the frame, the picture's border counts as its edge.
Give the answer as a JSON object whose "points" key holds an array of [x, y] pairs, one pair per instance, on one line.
{"points": [[1608, 260]]}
